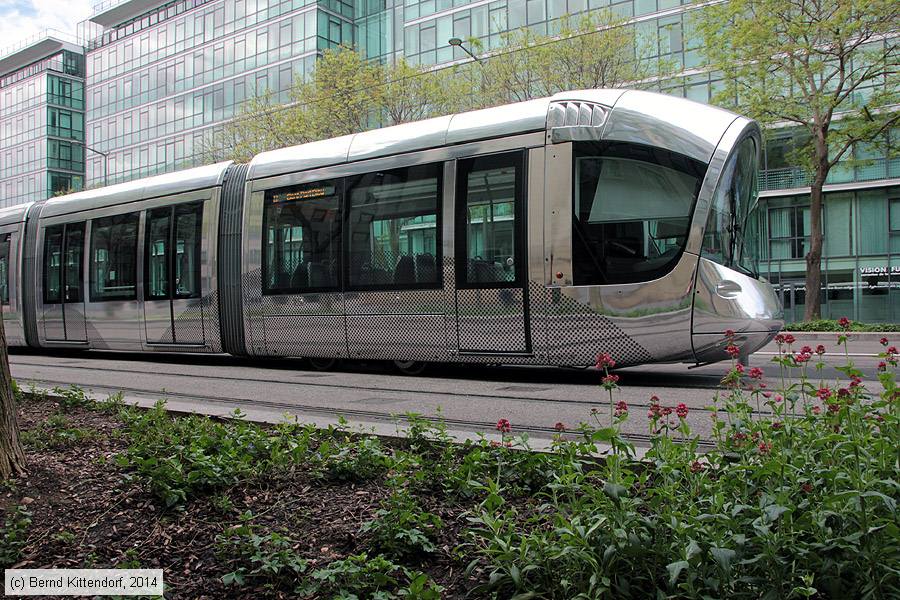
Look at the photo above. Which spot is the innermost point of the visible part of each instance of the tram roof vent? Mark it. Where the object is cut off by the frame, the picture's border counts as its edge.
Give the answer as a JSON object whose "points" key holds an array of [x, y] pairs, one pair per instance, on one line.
{"points": [[570, 121]]}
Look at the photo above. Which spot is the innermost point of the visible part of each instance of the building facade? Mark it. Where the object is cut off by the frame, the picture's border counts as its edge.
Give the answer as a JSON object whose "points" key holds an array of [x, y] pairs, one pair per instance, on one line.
{"points": [[160, 76], [41, 120]]}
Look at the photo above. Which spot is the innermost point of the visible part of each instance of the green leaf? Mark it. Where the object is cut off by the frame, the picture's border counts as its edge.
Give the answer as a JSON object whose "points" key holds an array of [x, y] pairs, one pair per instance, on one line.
{"points": [[614, 490], [723, 556], [773, 511], [675, 570]]}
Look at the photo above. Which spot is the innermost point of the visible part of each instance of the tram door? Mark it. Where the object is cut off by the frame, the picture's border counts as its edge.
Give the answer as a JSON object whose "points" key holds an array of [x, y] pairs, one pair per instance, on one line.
{"points": [[172, 296], [491, 270], [63, 283]]}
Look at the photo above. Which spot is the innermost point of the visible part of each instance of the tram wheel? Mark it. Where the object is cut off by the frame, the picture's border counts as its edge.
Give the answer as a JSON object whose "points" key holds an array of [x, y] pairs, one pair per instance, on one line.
{"points": [[410, 367], [322, 364]]}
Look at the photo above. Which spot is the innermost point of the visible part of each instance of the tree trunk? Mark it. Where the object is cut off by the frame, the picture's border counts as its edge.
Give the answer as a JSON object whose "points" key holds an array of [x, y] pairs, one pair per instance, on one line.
{"points": [[814, 256], [12, 455]]}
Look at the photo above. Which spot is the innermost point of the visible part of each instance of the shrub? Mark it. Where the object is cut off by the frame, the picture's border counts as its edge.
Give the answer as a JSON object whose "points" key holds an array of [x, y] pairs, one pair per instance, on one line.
{"points": [[270, 557], [362, 576], [178, 457], [796, 500], [834, 325], [13, 536], [354, 459], [72, 397], [401, 529]]}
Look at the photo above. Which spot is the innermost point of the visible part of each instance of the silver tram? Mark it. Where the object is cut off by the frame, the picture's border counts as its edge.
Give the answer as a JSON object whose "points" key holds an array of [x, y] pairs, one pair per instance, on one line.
{"points": [[542, 232]]}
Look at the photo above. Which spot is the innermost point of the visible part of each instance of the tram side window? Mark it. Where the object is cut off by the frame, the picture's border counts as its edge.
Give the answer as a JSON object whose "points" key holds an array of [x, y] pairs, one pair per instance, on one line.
{"points": [[4, 269], [177, 227], [632, 211], [394, 228], [53, 242], [113, 271], [488, 219], [302, 239]]}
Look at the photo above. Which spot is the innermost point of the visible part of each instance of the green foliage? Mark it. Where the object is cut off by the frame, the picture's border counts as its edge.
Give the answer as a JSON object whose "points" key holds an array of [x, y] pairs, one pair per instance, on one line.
{"points": [[375, 577], [178, 457], [13, 536], [56, 432], [798, 503], [269, 557], [72, 397], [401, 529], [833, 325], [354, 460]]}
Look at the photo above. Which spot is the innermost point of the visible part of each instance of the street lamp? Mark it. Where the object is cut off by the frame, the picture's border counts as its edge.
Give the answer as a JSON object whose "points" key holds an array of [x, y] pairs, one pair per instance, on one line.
{"points": [[455, 41], [105, 162]]}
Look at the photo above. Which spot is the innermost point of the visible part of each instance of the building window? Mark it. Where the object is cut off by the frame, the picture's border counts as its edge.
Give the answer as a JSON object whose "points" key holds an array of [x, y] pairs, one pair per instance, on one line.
{"points": [[895, 225], [788, 232], [393, 228], [302, 239], [114, 258]]}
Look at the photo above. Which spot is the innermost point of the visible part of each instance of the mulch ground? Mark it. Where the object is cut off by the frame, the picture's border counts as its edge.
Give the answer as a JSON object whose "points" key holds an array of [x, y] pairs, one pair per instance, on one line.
{"points": [[87, 513]]}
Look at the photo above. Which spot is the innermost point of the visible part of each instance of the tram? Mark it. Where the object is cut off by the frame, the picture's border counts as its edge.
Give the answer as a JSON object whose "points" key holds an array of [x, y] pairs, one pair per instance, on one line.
{"points": [[542, 232]]}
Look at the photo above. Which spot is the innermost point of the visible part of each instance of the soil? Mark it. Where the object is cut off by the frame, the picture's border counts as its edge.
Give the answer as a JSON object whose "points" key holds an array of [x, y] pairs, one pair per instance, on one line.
{"points": [[88, 513]]}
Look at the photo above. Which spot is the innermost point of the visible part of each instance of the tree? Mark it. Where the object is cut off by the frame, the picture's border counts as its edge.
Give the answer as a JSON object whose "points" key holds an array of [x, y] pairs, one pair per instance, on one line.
{"points": [[829, 67], [595, 51], [12, 455]]}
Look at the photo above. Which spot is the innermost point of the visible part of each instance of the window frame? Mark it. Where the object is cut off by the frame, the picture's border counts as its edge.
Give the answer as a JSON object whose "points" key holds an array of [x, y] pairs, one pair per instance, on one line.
{"points": [[516, 158], [95, 225], [264, 262], [347, 208]]}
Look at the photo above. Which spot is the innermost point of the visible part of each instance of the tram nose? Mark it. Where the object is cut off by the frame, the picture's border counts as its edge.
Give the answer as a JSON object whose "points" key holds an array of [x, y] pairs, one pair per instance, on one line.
{"points": [[726, 300]]}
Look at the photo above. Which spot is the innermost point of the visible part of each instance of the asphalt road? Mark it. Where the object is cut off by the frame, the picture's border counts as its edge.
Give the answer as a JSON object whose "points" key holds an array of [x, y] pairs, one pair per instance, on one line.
{"points": [[469, 397]]}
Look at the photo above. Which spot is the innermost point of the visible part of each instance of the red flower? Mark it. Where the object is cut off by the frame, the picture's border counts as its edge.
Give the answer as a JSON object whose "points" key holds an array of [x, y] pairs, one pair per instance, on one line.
{"points": [[823, 394], [739, 368], [559, 427], [696, 466], [777, 425], [767, 395], [833, 408], [621, 409], [820, 349], [806, 350], [816, 410], [733, 351], [666, 411], [729, 333], [845, 323], [779, 339], [764, 448], [884, 341], [503, 426], [802, 358], [843, 393], [604, 360], [807, 488], [882, 366], [610, 380], [681, 410], [789, 339], [855, 381], [892, 350], [756, 373]]}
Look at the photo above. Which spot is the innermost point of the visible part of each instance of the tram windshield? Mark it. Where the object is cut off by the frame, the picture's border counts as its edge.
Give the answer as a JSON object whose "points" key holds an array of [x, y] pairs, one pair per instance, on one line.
{"points": [[732, 228], [632, 211]]}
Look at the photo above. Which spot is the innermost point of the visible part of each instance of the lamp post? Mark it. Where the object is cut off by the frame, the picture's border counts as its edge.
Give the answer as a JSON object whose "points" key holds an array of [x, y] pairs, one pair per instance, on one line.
{"points": [[105, 163], [455, 41]]}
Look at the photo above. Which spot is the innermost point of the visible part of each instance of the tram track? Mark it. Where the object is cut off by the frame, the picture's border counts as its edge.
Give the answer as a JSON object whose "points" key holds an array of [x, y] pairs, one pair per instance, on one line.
{"points": [[368, 415]]}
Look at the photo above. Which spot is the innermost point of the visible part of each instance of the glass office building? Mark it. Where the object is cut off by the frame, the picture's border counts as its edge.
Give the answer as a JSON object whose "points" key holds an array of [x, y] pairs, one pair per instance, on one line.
{"points": [[41, 120], [162, 75]]}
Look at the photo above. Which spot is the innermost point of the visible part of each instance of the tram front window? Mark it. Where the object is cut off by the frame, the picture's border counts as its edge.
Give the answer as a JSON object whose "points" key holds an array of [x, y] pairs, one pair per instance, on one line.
{"points": [[632, 211], [732, 228]]}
